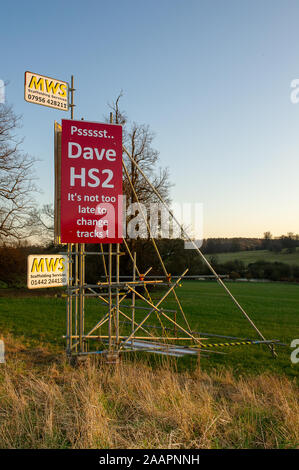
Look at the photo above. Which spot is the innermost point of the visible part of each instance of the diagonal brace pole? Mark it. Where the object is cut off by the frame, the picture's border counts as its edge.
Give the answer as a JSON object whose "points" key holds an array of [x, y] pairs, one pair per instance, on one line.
{"points": [[151, 311], [164, 314]]}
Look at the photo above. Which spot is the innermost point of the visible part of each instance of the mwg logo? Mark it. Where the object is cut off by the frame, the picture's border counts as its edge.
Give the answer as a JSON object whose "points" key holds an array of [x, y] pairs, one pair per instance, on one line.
{"points": [[48, 265], [48, 85]]}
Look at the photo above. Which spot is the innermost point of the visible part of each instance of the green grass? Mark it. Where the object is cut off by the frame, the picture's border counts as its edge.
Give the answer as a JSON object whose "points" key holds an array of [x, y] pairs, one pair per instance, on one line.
{"points": [[257, 255], [273, 306]]}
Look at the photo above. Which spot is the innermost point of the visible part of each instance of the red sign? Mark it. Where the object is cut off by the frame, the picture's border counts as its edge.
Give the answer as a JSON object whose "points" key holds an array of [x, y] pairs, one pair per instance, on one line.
{"points": [[91, 182]]}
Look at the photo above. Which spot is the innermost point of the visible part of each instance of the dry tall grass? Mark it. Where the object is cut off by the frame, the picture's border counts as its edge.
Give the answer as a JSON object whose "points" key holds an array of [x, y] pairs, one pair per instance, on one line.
{"points": [[132, 406]]}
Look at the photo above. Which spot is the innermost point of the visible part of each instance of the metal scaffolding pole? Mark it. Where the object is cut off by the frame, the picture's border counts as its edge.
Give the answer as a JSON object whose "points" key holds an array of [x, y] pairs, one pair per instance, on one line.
{"points": [[69, 325], [133, 296], [110, 295], [81, 296]]}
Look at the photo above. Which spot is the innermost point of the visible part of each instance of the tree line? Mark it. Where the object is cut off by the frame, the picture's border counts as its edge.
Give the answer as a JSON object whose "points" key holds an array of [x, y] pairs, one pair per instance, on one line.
{"points": [[176, 258], [287, 243]]}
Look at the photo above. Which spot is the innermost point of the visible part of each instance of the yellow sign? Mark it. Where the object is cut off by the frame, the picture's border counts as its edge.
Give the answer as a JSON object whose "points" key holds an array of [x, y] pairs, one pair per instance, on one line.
{"points": [[46, 91], [46, 271]]}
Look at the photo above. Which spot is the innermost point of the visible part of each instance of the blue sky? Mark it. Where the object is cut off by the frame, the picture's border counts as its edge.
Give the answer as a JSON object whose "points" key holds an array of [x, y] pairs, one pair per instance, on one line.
{"points": [[211, 78]]}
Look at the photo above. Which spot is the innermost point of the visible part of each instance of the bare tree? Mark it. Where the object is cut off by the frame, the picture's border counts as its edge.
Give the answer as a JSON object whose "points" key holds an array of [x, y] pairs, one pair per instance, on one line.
{"points": [[17, 204], [44, 222], [138, 140]]}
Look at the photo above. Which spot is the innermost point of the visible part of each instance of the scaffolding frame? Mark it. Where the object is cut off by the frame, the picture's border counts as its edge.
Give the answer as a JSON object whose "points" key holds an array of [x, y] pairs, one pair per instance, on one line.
{"points": [[114, 290]]}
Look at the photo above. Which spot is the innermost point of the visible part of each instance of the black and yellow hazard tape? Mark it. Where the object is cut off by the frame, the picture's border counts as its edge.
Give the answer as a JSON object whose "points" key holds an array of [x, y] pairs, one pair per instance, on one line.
{"points": [[222, 345]]}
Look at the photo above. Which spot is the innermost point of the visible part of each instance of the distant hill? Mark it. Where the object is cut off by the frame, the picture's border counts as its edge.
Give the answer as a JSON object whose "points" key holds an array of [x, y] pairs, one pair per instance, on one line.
{"points": [[257, 255], [228, 245]]}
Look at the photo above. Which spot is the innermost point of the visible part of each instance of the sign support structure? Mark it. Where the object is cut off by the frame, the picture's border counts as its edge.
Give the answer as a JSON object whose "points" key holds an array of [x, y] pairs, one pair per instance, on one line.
{"points": [[119, 330], [79, 271], [76, 291], [75, 310]]}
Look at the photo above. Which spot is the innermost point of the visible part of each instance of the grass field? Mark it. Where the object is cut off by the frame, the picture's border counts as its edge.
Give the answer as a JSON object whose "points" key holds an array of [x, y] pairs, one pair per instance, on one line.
{"points": [[273, 306], [245, 399], [258, 255]]}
